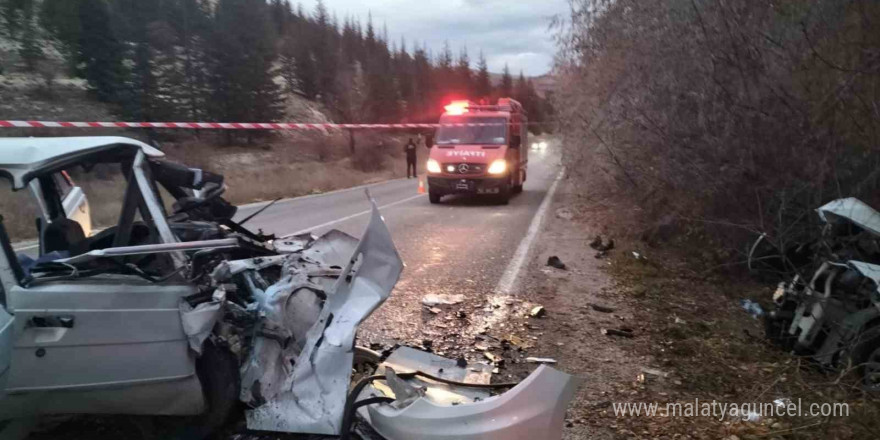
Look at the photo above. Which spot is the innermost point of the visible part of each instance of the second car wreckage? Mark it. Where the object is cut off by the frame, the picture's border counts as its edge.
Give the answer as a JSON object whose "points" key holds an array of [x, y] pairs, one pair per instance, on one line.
{"points": [[179, 310], [830, 310]]}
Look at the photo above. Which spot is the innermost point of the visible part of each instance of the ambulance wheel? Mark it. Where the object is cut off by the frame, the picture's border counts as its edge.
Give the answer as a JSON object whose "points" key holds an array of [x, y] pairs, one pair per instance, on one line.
{"points": [[519, 188], [504, 194], [434, 197]]}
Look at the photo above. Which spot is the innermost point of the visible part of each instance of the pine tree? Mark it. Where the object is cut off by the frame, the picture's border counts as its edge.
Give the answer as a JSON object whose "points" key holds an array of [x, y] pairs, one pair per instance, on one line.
{"points": [[324, 53], [180, 61], [60, 18], [404, 71], [100, 52], [30, 38], [483, 82], [506, 89], [423, 83], [444, 76], [463, 75], [279, 11], [243, 57], [520, 90]]}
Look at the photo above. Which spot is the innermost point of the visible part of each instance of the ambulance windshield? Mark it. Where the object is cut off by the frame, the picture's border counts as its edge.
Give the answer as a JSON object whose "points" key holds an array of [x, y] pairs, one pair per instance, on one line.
{"points": [[494, 132]]}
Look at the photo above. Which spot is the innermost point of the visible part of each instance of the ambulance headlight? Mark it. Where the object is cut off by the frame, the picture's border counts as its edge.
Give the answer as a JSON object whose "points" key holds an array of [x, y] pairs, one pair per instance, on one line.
{"points": [[434, 166], [498, 167]]}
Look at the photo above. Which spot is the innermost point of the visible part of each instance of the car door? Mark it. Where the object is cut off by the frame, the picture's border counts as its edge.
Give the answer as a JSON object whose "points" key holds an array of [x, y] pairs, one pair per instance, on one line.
{"points": [[101, 338], [74, 201], [6, 327], [8, 278]]}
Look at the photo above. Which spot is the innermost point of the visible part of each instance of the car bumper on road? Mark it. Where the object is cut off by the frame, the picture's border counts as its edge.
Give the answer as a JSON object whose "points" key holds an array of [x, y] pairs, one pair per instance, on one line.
{"points": [[456, 185]]}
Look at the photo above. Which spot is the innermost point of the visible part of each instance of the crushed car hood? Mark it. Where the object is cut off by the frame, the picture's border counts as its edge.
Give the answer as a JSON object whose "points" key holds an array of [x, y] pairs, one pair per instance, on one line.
{"points": [[297, 371]]}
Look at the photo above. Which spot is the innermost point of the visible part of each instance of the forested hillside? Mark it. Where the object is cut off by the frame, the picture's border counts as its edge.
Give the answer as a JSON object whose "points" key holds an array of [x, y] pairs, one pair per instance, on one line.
{"points": [[239, 60]]}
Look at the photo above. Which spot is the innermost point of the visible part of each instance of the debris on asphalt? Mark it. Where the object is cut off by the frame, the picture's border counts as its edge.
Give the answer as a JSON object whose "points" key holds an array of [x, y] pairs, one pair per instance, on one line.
{"points": [[623, 332], [564, 213], [435, 310], [537, 312], [537, 360], [654, 372], [601, 254], [598, 245], [433, 299], [680, 321], [555, 262], [519, 342], [752, 308], [639, 256], [601, 308]]}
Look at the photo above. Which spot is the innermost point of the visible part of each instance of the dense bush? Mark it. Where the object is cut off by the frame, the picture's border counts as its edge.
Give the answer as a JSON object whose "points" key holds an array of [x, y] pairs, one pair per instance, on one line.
{"points": [[742, 113]]}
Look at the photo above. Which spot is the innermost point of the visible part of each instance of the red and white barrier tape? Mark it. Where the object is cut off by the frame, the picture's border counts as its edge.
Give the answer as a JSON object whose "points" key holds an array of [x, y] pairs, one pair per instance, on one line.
{"points": [[223, 125]]}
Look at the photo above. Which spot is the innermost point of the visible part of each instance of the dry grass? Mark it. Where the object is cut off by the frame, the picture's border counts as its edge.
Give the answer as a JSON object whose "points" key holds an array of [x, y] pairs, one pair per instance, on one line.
{"points": [[294, 164], [697, 331]]}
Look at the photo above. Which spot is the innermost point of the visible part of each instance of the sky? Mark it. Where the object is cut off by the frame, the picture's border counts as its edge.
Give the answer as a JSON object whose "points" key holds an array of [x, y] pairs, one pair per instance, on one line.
{"points": [[508, 31]]}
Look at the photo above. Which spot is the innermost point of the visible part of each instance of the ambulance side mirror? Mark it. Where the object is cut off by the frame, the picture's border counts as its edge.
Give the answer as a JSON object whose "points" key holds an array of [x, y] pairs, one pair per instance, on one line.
{"points": [[515, 141]]}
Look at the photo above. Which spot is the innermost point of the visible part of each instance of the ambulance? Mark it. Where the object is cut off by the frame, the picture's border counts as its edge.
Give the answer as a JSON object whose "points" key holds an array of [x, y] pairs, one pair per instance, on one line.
{"points": [[479, 149]]}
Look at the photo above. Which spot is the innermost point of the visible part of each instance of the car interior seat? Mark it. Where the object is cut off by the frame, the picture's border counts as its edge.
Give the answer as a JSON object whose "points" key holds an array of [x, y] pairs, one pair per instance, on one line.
{"points": [[64, 234]]}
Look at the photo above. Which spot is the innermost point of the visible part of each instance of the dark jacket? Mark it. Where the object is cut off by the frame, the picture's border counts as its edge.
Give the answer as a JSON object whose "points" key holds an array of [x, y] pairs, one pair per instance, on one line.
{"points": [[410, 149]]}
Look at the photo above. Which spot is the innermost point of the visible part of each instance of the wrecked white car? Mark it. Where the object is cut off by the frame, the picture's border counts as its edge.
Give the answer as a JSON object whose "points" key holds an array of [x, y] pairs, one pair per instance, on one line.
{"points": [[177, 310], [833, 314]]}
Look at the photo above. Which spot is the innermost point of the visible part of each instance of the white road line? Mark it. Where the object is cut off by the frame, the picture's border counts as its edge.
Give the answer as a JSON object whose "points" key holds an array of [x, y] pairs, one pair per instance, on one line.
{"points": [[310, 196], [24, 248], [346, 218], [505, 286]]}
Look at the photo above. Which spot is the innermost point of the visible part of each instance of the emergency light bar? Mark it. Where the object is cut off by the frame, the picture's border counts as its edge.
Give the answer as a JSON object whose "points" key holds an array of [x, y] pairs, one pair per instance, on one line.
{"points": [[504, 105]]}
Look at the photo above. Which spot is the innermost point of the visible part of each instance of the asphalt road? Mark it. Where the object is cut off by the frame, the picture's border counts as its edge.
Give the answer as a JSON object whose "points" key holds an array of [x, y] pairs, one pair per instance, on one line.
{"points": [[462, 246]]}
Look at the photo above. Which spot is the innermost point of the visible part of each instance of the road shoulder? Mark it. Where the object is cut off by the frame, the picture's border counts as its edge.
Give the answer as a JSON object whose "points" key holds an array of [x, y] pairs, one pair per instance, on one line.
{"points": [[571, 330]]}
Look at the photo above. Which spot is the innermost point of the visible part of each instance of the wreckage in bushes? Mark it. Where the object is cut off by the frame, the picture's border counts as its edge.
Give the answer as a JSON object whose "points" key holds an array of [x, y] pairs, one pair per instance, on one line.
{"points": [[833, 314], [178, 310]]}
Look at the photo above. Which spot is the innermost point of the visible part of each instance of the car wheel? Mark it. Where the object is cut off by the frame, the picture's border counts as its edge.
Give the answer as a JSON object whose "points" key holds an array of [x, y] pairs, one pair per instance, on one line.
{"points": [[217, 369], [434, 197], [864, 360]]}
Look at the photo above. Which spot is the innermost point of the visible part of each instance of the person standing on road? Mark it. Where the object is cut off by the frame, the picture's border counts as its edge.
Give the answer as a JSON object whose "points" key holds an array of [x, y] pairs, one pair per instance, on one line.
{"points": [[410, 149]]}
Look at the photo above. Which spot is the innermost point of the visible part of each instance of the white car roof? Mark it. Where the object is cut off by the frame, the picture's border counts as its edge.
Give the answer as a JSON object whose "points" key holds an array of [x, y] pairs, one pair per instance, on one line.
{"points": [[21, 158]]}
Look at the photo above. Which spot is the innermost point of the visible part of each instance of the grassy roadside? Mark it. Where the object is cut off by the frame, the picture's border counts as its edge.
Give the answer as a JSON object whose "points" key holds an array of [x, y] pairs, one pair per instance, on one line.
{"points": [[691, 338]]}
